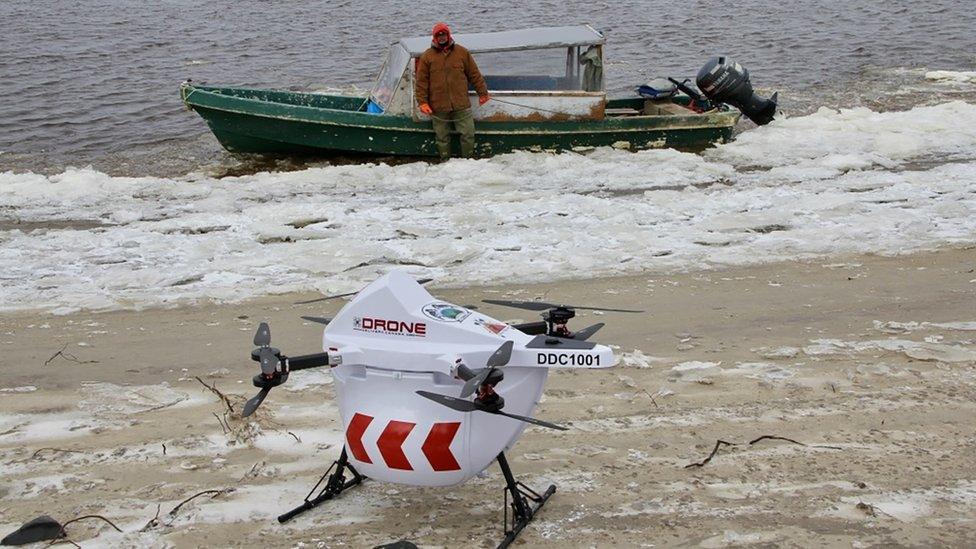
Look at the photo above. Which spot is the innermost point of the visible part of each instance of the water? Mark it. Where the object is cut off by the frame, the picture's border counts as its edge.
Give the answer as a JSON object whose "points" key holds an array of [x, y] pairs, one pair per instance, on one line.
{"points": [[95, 82], [878, 154]]}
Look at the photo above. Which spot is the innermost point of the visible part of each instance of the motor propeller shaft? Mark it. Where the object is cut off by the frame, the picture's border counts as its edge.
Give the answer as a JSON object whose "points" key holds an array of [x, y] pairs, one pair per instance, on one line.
{"points": [[499, 358]]}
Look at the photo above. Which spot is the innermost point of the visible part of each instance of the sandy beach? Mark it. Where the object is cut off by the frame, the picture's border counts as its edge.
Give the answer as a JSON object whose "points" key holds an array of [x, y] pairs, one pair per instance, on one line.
{"points": [[867, 361]]}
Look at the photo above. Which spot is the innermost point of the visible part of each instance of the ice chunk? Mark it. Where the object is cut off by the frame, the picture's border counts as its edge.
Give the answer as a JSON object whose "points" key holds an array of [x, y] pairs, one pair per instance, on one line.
{"points": [[109, 399], [964, 77]]}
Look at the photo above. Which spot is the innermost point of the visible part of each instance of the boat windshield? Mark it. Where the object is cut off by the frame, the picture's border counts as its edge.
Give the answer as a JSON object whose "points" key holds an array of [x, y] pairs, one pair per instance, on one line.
{"points": [[390, 75], [552, 69]]}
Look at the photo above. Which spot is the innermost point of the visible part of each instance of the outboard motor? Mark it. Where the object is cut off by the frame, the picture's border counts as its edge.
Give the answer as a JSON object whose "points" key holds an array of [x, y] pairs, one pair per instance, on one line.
{"points": [[723, 80]]}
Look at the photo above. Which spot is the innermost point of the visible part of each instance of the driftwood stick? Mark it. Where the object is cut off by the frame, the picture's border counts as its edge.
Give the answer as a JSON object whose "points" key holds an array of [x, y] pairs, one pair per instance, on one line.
{"points": [[253, 468], [214, 493], [213, 388], [646, 392], [63, 535], [67, 356], [775, 437], [100, 517], [39, 450], [220, 421], [153, 521], [718, 444]]}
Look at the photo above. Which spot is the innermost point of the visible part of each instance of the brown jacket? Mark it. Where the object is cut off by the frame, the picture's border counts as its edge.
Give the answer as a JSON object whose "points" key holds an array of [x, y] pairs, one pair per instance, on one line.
{"points": [[443, 77]]}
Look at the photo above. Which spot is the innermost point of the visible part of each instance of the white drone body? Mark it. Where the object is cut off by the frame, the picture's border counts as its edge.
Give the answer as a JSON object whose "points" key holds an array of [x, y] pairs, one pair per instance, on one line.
{"points": [[394, 339]]}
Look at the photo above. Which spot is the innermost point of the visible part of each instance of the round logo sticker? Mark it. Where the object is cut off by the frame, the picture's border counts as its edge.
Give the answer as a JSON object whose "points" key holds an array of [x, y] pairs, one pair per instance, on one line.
{"points": [[445, 312]]}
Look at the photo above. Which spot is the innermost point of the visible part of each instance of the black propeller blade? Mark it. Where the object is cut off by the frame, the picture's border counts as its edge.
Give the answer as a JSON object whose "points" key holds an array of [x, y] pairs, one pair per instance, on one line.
{"points": [[586, 333], [462, 405], [337, 296], [255, 401], [262, 338], [543, 306], [318, 319], [533, 421], [453, 403], [500, 357]]}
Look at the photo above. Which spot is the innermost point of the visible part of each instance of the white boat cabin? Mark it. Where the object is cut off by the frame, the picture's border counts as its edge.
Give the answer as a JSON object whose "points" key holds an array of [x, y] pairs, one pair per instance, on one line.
{"points": [[548, 73]]}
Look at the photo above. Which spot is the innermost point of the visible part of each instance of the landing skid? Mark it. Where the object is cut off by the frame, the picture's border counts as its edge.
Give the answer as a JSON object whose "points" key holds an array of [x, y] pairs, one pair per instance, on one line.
{"points": [[525, 503], [334, 486]]}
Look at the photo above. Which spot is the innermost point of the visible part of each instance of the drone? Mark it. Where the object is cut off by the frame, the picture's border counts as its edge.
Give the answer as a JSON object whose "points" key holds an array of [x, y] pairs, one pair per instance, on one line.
{"points": [[431, 393]]}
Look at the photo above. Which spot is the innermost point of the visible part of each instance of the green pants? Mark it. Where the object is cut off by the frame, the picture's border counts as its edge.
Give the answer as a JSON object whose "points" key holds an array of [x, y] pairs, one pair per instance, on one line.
{"points": [[464, 124]]}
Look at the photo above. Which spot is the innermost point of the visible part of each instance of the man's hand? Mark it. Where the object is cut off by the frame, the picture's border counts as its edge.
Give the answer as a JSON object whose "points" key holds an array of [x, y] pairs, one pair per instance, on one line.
{"points": [[425, 108], [482, 99]]}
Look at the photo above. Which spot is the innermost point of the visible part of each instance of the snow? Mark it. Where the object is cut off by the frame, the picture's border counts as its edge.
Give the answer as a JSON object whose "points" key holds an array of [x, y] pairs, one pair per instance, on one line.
{"points": [[763, 371], [918, 350], [823, 185], [23, 389], [694, 365], [31, 429], [111, 400], [958, 77], [637, 359]]}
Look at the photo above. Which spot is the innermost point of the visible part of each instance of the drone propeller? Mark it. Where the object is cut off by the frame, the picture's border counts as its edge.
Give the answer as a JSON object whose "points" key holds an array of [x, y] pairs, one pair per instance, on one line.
{"points": [[347, 294], [275, 366], [542, 306], [269, 376], [252, 404], [586, 333], [318, 319], [462, 405], [555, 319], [499, 358]]}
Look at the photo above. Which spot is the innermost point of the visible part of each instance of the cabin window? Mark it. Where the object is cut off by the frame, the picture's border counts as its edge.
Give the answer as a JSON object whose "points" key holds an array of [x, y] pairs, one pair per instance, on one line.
{"points": [[553, 69], [390, 76]]}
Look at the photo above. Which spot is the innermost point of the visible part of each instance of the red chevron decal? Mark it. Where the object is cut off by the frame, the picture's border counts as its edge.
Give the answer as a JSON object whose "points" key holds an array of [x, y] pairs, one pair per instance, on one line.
{"points": [[437, 447], [354, 436], [390, 444]]}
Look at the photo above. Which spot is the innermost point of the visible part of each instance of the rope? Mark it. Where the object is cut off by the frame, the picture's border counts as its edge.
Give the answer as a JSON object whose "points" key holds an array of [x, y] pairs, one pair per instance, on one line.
{"points": [[507, 103], [527, 106]]}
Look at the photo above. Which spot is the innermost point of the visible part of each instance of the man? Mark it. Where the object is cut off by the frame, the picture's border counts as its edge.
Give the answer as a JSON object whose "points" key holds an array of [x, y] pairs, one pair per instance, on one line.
{"points": [[443, 74]]}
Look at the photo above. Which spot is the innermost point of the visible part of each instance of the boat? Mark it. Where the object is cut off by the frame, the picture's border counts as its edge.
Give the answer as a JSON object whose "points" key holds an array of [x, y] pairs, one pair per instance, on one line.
{"points": [[548, 94]]}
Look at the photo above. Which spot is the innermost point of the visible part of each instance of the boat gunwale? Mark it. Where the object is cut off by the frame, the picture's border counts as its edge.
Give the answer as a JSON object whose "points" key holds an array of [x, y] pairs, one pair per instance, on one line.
{"points": [[396, 123]]}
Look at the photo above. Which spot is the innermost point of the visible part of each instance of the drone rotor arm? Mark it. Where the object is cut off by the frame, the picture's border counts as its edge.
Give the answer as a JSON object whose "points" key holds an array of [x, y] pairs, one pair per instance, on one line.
{"points": [[532, 328]]}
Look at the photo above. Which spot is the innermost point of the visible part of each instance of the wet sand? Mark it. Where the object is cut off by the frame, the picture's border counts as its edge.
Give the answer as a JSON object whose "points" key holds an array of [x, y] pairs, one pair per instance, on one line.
{"points": [[870, 362]]}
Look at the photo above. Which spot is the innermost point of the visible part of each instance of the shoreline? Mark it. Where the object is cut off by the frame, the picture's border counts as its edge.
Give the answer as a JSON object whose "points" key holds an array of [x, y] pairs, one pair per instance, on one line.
{"points": [[873, 355], [291, 298]]}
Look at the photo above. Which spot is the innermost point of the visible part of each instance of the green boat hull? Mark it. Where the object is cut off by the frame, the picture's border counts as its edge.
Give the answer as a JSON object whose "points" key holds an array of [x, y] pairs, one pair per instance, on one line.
{"points": [[275, 121]]}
